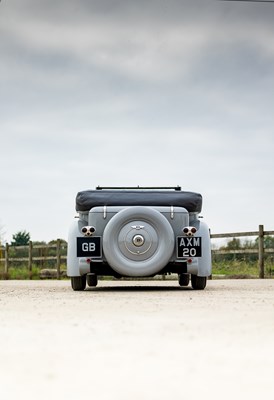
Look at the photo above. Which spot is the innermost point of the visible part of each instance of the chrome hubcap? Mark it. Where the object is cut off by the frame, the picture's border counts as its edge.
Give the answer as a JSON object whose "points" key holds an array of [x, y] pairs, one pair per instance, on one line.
{"points": [[138, 240]]}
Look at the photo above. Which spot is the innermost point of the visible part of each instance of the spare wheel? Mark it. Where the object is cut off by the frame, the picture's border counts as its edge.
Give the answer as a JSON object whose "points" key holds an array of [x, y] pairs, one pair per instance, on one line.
{"points": [[138, 241]]}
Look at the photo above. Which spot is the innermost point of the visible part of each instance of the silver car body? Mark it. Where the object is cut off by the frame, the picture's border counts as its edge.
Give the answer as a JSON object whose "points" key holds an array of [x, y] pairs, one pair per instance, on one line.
{"points": [[151, 231]]}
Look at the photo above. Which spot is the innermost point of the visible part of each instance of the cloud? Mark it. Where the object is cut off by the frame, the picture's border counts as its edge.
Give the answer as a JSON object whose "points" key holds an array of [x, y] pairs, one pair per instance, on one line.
{"points": [[130, 39], [127, 92]]}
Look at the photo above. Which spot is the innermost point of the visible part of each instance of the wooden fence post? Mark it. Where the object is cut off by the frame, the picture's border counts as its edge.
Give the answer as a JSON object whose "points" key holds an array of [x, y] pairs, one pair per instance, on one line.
{"points": [[6, 258], [58, 257], [30, 259], [261, 251]]}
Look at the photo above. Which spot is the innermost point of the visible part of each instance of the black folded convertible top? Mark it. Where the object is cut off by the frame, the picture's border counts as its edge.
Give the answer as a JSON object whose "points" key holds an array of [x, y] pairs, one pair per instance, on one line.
{"points": [[87, 199]]}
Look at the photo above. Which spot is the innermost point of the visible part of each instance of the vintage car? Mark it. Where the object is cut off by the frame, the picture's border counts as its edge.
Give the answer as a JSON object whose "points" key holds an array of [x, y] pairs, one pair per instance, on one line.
{"points": [[138, 232]]}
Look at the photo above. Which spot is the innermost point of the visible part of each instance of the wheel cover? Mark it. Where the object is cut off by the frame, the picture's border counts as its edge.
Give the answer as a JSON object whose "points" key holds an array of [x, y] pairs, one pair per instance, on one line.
{"points": [[138, 241]]}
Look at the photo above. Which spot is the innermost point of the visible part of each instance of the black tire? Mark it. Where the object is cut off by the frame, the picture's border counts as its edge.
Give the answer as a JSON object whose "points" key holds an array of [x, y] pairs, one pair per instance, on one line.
{"points": [[198, 282], [92, 280], [183, 279], [78, 282]]}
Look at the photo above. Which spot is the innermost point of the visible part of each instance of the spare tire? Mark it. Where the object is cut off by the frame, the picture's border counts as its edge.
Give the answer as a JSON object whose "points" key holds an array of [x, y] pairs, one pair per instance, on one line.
{"points": [[138, 241]]}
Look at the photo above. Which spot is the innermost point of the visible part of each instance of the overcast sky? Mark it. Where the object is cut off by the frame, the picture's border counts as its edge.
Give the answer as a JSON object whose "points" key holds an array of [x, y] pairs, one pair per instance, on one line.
{"points": [[96, 92]]}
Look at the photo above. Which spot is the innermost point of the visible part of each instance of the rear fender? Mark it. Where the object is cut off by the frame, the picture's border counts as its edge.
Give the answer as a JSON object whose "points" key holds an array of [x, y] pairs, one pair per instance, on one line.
{"points": [[204, 263], [72, 260]]}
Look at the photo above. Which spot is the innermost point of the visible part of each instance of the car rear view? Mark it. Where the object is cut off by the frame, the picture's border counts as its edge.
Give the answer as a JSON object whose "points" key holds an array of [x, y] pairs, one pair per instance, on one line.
{"points": [[138, 232]]}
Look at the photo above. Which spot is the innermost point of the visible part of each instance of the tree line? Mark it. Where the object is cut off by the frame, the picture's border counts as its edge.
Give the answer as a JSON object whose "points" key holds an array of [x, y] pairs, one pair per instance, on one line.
{"points": [[22, 238]]}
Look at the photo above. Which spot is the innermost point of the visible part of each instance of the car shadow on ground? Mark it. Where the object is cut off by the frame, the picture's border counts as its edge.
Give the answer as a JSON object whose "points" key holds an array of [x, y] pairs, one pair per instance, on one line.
{"points": [[134, 288]]}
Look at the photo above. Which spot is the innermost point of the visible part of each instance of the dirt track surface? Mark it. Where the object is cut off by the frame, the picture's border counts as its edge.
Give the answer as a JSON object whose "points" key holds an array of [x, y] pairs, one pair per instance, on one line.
{"points": [[137, 340]]}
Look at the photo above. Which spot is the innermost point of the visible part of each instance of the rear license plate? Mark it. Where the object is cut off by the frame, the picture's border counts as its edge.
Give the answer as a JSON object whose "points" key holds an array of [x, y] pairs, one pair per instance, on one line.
{"points": [[189, 246], [89, 247]]}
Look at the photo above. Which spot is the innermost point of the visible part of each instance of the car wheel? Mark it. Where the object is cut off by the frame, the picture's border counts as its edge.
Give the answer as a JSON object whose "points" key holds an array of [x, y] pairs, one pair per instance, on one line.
{"points": [[184, 279], [138, 241], [78, 282], [92, 280], [198, 282]]}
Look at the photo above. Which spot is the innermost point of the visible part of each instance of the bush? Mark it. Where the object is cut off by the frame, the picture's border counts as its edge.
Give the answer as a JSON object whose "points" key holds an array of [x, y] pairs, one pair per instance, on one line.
{"points": [[241, 268], [23, 273]]}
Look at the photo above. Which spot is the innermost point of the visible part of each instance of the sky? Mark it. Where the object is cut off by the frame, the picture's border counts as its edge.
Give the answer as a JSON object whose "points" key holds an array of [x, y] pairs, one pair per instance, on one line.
{"points": [[126, 93]]}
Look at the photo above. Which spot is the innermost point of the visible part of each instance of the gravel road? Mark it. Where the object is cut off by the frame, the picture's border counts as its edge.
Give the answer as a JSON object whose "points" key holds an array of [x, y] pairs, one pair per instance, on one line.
{"points": [[137, 340]]}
